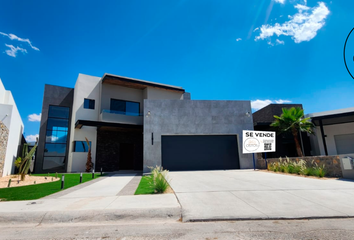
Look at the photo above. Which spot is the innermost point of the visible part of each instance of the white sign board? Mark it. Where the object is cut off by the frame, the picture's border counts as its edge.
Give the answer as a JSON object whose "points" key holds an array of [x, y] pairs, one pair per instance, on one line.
{"points": [[258, 141]]}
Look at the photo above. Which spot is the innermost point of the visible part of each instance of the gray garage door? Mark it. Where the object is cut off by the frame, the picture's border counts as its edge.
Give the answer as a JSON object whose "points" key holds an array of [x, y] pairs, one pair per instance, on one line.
{"points": [[344, 143], [200, 152]]}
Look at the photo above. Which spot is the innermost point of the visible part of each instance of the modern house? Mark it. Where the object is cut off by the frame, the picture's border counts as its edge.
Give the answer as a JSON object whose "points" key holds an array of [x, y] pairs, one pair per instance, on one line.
{"points": [[11, 130], [285, 144], [133, 124], [334, 132]]}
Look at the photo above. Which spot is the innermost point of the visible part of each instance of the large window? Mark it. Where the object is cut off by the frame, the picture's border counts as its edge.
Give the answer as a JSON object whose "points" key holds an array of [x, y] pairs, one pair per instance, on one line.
{"points": [[56, 138], [81, 146], [89, 103], [125, 107]]}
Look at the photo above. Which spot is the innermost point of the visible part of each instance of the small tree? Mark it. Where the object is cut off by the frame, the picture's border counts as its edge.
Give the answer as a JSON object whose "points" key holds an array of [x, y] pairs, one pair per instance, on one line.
{"points": [[23, 163], [291, 120], [89, 164]]}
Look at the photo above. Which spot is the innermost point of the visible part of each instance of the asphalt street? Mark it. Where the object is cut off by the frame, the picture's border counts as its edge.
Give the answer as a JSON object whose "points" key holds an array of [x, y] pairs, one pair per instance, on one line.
{"points": [[323, 229]]}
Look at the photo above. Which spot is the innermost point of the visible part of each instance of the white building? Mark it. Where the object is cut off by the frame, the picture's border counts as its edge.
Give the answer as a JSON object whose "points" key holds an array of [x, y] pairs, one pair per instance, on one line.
{"points": [[334, 132], [10, 133]]}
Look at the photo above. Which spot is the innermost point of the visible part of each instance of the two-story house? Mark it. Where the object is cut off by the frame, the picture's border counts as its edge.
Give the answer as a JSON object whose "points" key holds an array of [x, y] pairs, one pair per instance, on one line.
{"points": [[132, 124]]}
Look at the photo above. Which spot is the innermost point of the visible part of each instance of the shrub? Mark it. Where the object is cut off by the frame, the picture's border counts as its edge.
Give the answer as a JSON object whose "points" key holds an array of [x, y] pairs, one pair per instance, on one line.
{"points": [[158, 179], [298, 167], [319, 171]]}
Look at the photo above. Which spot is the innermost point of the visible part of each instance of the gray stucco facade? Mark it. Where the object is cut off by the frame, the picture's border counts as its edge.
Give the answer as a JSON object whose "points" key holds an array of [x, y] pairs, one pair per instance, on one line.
{"points": [[194, 117]]}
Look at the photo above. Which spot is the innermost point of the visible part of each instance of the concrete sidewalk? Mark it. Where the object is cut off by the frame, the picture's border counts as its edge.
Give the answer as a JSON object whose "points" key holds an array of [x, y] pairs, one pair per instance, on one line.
{"points": [[94, 201], [248, 194]]}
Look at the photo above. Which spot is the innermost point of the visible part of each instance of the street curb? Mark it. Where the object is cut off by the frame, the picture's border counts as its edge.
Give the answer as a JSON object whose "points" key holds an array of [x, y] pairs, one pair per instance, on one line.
{"points": [[266, 218], [83, 216]]}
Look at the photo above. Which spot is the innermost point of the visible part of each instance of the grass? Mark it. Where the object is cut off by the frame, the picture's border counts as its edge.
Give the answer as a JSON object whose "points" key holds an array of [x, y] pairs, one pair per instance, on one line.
{"points": [[37, 191], [144, 187], [156, 182]]}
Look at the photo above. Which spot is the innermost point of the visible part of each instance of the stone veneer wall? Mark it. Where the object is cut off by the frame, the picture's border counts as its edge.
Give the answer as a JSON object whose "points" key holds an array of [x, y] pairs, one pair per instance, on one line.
{"points": [[332, 163], [4, 136]]}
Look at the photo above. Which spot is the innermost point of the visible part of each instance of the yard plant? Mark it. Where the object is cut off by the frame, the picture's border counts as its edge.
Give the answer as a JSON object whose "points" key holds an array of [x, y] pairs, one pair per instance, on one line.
{"points": [[292, 120], [298, 167], [23, 163], [155, 182]]}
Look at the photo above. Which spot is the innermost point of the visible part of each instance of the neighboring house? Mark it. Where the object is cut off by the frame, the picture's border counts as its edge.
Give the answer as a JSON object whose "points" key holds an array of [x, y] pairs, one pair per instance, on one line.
{"points": [[285, 144], [134, 124], [334, 132], [11, 130]]}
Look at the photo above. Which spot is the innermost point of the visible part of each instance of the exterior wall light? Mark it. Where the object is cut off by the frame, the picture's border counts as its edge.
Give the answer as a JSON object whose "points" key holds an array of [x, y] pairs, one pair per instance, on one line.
{"points": [[148, 114], [248, 114]]}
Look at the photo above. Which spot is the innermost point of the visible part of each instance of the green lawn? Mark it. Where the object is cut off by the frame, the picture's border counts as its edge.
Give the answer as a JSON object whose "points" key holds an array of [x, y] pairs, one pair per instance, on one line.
{"points": [[41, 190], [144, 187]]}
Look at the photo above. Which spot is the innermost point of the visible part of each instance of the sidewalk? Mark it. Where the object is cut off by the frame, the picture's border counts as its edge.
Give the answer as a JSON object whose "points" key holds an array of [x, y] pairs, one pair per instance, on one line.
{"points": [[95, 201]]}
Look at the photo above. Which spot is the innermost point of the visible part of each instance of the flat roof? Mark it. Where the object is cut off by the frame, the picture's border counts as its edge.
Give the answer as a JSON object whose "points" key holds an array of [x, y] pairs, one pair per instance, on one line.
{"points": [[136, 83], [329, 113], [337, 116]]}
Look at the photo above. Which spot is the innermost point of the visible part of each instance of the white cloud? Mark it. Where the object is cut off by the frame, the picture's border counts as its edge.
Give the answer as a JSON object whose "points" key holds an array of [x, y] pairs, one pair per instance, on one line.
{"points": [[34, 117], [13, 50], [255, 29], [238, 39], [258, 104], [281, 101], [303, 26], [32, 138], [280, 1], [302, 7], [14, 37], [279, 41]]}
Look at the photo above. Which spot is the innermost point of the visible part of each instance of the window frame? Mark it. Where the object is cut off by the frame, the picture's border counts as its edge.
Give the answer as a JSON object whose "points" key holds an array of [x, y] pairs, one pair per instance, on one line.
{"points": [[89, 103], [67, 118], [110, 105], [74, 147]]}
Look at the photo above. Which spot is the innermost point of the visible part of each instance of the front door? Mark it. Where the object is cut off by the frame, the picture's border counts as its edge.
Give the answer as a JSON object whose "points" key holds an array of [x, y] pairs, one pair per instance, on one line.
{"points": [[126, 156]]}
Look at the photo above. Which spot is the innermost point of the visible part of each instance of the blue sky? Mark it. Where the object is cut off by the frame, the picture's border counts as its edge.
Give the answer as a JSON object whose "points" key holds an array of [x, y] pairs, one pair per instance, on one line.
{"points": [[260, 50]]}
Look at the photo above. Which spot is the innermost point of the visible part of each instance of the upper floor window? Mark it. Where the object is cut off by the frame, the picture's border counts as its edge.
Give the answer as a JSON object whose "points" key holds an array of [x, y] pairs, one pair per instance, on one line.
{"points": [[89, 103], [58, 112], [56, 138], [125, 107]]}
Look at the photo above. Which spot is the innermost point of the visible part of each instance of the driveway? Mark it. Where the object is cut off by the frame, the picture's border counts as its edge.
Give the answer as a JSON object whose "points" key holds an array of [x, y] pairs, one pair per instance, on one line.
{"points": [[248, 194]]}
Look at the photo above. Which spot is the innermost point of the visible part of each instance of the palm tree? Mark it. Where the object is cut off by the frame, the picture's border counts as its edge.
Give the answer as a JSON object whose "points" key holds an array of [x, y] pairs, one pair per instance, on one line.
{"points": [[292, 120]]}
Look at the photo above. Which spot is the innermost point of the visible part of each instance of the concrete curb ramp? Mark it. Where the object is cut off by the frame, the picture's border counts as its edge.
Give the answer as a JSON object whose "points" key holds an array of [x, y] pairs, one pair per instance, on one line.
{"points": [[90, 216]]}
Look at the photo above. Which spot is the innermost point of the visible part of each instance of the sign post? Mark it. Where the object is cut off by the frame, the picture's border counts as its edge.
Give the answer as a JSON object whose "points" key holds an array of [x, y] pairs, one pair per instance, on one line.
{"points": [[258, 142]]}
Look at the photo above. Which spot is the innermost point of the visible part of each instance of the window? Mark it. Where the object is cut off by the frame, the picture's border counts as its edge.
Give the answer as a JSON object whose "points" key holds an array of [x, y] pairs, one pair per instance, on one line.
{"points": [[89, 103], [58, 112], [125, 107], [81, 146], [56, 137]]}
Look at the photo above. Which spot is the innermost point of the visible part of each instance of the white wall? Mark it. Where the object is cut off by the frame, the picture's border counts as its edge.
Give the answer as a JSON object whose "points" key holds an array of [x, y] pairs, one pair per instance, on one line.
{"points": [[331, 131], [2, 92], [156, 93], [10, 116], [86, 87]]}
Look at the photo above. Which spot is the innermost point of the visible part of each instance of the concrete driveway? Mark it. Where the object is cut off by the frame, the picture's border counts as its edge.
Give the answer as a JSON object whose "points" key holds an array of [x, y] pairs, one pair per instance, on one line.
{"points": [[248, 194]]}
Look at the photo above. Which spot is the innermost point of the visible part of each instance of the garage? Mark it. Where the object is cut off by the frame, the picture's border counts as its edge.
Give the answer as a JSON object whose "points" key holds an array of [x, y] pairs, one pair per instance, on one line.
{"points": [[199, 152]]}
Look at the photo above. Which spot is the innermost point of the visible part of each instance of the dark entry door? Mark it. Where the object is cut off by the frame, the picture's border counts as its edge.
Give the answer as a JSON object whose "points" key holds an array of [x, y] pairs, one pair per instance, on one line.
{"points": [[126, 156], [200, 152]]}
